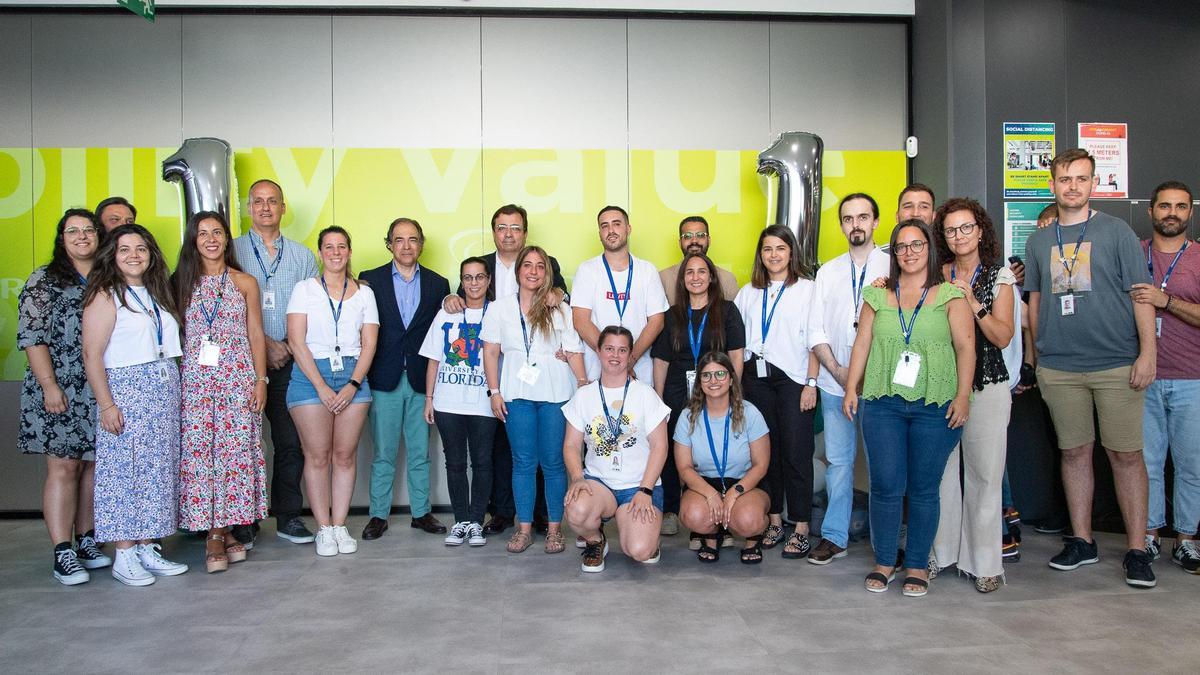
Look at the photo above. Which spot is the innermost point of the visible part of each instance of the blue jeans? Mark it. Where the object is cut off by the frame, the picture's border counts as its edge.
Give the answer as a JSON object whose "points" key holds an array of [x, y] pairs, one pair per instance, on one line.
{"points": [[535, 432], [841, 447], [908, 444], [1171, 419]]}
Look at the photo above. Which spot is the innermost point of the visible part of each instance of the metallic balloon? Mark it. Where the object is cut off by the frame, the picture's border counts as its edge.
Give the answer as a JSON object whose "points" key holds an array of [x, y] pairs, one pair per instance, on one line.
{"points": [[203, 167], [795, 159]]}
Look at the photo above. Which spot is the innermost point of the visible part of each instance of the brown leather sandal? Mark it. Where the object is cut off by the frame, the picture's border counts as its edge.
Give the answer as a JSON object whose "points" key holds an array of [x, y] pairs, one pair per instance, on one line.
{"points": [[519, 541], [554, 542]]}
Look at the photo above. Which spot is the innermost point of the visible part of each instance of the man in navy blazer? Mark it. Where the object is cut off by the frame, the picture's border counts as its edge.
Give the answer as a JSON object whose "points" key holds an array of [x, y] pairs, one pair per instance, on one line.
{"points": [[408, 297]]}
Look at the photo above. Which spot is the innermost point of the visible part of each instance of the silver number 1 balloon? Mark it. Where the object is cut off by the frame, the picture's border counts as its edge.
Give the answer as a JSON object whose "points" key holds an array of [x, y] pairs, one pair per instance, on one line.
{"points": [[203, 167], [795, 159]]}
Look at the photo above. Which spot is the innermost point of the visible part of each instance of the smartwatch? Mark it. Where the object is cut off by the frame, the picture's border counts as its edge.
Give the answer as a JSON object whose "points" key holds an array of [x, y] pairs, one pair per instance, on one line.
{"points": [[356, 383], [981, 313], [810, 382], [739, 488], [645, 490], [492, 392]]}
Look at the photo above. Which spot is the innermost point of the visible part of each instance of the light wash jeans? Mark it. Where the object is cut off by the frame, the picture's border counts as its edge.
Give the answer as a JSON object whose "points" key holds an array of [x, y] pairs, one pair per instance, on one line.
{"points": [[1172, 418], [841, 448]]}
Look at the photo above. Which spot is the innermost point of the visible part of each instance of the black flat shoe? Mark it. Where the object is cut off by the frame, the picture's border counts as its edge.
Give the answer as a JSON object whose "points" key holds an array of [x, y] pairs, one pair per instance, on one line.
{"points": [[497, 525], [374, 529], [428, 523]]}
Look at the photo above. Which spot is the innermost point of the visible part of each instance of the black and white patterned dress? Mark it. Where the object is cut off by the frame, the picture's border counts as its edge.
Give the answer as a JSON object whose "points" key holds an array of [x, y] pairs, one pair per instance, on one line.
{"points": [[51, 314]]}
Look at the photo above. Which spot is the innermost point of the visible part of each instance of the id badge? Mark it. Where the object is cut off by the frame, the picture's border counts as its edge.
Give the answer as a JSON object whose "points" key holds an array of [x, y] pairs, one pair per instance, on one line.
{"points": [[268, 300], [907, 369], [1158, 326], [335, 362], [691, 380], [616, 461], [210, 352], [164, 374], [1067, 304], [760, 367], [529, 374]]}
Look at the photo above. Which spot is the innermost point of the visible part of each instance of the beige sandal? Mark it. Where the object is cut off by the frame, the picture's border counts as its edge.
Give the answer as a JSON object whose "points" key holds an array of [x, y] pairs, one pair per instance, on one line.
{"points": [[519, 541], [236, 552], [213, 561], [554, 542]]}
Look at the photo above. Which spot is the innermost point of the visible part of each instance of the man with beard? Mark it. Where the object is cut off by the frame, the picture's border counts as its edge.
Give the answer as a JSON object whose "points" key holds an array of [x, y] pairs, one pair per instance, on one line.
{"points": [[1095, 353], [833, 325], [1174, 397], [915, 201], [694, 238]]}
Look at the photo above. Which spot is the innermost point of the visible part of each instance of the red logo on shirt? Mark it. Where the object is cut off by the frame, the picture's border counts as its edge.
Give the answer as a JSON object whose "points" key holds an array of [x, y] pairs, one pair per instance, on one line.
{"points": [[608, 295]]}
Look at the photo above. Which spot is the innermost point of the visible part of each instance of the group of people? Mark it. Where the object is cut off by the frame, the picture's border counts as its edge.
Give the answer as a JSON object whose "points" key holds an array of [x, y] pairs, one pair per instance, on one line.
{"points": [[655, 398]]}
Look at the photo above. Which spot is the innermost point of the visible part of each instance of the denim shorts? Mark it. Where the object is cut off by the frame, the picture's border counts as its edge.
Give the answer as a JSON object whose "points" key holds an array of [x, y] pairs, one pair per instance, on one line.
{"points": [[625, 496], [302, 392]]}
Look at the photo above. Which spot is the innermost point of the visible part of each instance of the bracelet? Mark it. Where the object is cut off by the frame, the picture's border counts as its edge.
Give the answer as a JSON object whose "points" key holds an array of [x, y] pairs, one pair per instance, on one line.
{"points": [[47, 377], [1167, 307], [110, 405], [429, 396]]}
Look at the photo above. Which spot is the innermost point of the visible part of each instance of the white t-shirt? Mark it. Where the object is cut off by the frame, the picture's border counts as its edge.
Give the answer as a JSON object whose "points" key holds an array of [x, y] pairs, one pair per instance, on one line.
{"points": [[134, 339], [787, 344], [505, 278], [309, 298], [592, 290], [834, 311], [621, 465], [453, 342], [555, 381]]}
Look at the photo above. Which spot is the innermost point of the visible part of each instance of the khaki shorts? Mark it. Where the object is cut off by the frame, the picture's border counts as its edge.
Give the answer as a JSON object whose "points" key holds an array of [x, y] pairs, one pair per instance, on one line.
{"points": [[1072, 398]]}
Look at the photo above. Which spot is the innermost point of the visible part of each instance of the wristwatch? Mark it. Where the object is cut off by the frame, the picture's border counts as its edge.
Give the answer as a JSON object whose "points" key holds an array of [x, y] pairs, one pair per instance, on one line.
{"points": [[645, 490], [264, 379], [492, 392], [981, 313], [739, 488], [356, 383], [810, 382]]}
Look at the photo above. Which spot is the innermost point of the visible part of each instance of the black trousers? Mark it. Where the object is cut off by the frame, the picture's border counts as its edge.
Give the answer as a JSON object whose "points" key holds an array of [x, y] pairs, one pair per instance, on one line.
{"points": [[502, 503], [789, 479], [463, 435], [286, 498]]}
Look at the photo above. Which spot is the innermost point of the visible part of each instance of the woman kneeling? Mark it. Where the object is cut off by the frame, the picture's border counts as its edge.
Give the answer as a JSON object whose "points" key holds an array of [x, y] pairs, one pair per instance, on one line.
{"points": [[722, 490]]}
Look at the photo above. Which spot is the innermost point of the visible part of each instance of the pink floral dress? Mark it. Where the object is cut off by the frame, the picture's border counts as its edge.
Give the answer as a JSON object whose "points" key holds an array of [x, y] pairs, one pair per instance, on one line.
{"points": [[222, 474]]}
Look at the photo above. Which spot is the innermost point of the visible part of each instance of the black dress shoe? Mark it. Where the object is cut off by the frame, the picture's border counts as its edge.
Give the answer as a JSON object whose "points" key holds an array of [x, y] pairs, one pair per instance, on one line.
{"points": [[374, 529], [430, 524], [497, 525]]}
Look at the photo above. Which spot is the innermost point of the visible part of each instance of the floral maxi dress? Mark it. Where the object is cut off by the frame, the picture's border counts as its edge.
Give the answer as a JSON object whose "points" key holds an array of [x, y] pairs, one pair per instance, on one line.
{"points": [[222, 474]]}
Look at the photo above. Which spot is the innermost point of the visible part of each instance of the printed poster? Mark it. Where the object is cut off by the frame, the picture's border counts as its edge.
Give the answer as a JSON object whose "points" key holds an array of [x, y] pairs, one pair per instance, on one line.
{"points": [[1109, 144], [1020, 220], [1028, 151]]}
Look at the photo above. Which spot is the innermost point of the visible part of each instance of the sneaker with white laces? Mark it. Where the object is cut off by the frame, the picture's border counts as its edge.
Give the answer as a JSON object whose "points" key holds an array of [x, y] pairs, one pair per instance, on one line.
{"points": [[458, 534], [67, 569], [475, 535], [89, 553], [1153, 546], [1187, 555], [127, 568], [150, 555], [345, 543], [326, 542]]}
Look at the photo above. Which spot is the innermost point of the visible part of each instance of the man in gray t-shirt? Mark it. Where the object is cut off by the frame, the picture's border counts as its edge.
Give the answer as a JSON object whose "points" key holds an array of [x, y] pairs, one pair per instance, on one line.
{"points": [[1095, 352]]}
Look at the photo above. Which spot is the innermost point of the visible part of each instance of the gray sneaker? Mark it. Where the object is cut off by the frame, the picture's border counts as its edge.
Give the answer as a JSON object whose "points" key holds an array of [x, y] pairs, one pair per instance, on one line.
{"points": [[670, 525], [475, 535], [457, 534], [295, 531]]}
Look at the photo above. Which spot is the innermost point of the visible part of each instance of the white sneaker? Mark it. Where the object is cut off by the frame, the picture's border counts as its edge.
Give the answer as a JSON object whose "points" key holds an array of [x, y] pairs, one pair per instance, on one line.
{"points": [[326, 542], [475, 535], [150, 555], [345, 543], [127, 568], [458, 534]]}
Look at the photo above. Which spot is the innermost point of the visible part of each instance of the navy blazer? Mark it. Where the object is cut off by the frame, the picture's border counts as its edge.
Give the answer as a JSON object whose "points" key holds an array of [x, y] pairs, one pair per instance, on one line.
{"points": [[490, 259], [396, 350]]}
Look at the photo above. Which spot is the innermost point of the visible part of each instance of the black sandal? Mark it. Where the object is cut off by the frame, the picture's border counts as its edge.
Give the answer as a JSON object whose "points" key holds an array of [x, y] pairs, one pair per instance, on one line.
{"points": [[800, 543], [921, 584], [706, 553], [881, 578], [772, 536], [752, 554]]}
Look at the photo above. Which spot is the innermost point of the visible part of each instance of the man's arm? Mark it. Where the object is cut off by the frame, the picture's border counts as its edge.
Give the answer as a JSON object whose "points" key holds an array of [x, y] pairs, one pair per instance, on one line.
{"points": [[559, 282], [1152, 295], [1141, 375], [654, 326], [582, 319]]}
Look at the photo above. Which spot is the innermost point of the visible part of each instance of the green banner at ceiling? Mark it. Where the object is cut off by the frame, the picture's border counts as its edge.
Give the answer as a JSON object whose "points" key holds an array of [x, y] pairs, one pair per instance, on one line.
{"points": [[143, 8]]}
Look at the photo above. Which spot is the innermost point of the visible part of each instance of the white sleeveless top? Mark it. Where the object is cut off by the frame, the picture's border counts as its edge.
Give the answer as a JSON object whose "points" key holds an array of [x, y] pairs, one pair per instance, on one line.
{"points": [[134, 338]]}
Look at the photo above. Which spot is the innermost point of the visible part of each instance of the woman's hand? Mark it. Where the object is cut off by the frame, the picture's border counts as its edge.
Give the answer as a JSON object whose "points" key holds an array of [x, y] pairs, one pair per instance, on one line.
{"points": [[53, 398], [328, 397], [642, 508], [428, 410], [112, 420], [343, 398], [576, 490], [850, 405], [880, 282], [808, 399], [498, 408], [716, 508], [258, 399], [727, 506], [957, 413], [969, 292]]}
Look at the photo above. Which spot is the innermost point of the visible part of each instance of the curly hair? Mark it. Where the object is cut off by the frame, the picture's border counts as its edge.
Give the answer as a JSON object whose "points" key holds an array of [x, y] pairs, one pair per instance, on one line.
{"points": [[989, 247], [60, 267], [106, 277], [697, 400]]}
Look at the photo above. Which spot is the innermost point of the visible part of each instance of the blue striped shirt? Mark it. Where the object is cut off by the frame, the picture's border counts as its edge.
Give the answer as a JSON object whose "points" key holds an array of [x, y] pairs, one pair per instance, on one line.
{"points": [[296, 263]]}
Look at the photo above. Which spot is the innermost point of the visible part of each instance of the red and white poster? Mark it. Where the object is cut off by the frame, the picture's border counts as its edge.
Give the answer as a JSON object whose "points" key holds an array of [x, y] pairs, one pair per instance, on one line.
{"points": [[1109, 144]]}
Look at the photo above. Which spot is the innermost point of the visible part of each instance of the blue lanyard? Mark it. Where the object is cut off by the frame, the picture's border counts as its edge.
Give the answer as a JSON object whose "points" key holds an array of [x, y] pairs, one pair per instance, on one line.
{"points": [[712, 447], [954, 273], [157, 318], [275, 265], [82, 279], [1150, 264], [857, 288], [694, 337], [1062, 256], [337, 313], [907, 329], [525, 337], [766, 318], [614, 423], [613, 285], [462, 329], [211, 317]]}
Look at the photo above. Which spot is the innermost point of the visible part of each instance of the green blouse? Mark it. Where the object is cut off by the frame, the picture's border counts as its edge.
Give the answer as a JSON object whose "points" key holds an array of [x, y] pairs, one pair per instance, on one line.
{"points": [[937, 381]]}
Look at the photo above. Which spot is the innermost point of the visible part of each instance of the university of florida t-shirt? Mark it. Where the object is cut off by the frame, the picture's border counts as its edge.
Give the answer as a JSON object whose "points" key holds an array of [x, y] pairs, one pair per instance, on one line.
{"points": [[621, 461], [453, 341]]}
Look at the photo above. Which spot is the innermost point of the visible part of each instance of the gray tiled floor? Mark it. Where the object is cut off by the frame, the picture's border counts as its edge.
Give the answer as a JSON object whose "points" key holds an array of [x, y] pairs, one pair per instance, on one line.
{"points": [[408, 603]]}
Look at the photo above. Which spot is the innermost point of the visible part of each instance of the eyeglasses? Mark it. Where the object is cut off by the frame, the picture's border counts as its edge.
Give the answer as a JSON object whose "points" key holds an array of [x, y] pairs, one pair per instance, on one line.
{"points": [[688, 236], [76, 231], [916, 246], [468, 278], [258, 203], [720, 375], [964, 230], [515, 229]]}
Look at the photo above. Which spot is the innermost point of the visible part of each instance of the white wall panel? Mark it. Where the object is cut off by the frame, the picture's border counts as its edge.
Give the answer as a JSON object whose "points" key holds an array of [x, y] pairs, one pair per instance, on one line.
{"points": [[258, 80], [16, 103], [554, 83], [698, 85], [105, 81], [845, 82], [406, 82]]}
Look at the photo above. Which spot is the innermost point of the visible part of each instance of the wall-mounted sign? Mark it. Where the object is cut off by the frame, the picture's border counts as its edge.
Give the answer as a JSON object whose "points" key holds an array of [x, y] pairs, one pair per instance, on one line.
{"points": [[1108, 143]]}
